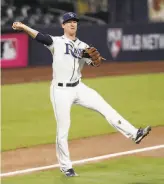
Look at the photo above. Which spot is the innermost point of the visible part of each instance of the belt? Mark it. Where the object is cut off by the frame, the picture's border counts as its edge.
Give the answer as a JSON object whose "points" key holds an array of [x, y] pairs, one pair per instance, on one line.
{"points": [[69, 84]]}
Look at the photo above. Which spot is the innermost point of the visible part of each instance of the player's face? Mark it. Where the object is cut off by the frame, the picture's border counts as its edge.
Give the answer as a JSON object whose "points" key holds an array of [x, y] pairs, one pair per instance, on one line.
{"points": [[70, 27]]}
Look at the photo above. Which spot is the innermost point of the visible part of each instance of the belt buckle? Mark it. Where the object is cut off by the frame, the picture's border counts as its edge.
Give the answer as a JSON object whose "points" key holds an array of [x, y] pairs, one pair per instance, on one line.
{"points": [[68, 84]]}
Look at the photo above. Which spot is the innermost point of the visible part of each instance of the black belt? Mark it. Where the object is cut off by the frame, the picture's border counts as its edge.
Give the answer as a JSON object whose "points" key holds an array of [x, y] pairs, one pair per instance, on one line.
{"points": [[69, 84]]}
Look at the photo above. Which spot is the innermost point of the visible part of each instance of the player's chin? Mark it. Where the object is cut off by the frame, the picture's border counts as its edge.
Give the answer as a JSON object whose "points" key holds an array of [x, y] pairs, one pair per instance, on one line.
{"points": [[73, 31]]}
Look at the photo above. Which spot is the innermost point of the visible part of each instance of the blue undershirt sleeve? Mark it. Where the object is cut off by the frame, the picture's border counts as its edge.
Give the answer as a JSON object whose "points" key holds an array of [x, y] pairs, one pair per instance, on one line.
{"points": [[44, 39]]}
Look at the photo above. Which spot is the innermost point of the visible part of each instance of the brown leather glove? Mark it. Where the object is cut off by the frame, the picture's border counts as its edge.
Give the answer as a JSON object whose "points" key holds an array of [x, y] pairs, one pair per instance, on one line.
{"points": [[94, 55]]}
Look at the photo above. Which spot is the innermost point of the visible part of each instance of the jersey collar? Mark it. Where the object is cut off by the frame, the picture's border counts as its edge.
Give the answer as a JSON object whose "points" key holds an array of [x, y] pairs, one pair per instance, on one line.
{"points": [[69, 39]]}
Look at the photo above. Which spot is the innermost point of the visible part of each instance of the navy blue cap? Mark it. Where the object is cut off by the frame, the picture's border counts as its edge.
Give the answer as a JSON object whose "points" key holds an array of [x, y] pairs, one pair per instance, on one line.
{"points": [[70, 16]]}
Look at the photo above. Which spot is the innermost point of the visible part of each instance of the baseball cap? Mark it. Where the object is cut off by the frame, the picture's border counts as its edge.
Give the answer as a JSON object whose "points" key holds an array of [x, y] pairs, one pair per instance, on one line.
{"points": [[70, 16]]}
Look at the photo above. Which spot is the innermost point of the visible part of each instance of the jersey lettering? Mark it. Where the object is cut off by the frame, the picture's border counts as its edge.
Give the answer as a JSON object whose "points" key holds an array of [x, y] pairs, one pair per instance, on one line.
{"points": [[75, 52]]}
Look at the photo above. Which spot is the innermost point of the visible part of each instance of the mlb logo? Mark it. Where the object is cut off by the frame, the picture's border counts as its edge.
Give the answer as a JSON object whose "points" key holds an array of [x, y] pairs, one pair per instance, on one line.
{"points": [[8, 49], [114, 38]]}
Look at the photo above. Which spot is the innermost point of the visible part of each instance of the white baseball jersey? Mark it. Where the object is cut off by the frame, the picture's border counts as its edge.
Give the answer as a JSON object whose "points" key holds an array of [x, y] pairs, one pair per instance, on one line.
{"points": [[67, 61], [67, 65]]}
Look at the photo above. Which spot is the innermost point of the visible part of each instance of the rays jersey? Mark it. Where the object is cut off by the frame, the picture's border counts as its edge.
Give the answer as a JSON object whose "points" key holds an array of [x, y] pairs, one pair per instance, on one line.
{"points": [[67, 62]]}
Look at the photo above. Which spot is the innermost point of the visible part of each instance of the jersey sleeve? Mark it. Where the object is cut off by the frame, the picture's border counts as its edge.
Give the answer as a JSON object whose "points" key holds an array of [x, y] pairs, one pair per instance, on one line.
{"points": [[51, 47], [87, 60]]}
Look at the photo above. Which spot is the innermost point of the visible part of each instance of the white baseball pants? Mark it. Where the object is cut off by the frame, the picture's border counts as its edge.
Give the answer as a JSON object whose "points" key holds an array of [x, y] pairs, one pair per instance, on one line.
{"points": [[63, 98]]}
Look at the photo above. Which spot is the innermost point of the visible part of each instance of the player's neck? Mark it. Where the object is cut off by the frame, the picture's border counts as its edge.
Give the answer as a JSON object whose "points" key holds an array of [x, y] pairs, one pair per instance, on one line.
{"points": [[71, 37]]}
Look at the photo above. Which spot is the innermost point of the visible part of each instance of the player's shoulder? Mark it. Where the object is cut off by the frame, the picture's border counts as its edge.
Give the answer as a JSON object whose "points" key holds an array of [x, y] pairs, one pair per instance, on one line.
{"points": [[82, 44], [56, 38]]}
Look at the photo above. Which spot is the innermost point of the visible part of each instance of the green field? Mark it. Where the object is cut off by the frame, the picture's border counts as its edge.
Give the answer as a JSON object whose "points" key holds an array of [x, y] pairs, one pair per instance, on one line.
{"points": [[127, 170], [27, 115]]}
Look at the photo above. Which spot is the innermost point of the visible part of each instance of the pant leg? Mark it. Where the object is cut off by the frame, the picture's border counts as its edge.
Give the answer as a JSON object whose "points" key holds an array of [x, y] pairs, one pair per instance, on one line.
{"points": [[89, 98], [61, 101]]}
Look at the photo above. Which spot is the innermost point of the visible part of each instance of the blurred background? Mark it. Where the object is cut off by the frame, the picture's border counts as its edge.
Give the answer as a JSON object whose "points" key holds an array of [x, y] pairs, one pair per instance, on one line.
{"points": [[122, 30], [48, 12]]}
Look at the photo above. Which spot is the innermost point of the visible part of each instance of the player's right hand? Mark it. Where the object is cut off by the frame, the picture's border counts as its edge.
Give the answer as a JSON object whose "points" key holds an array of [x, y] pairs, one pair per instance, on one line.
{"points": [[18, 26]]}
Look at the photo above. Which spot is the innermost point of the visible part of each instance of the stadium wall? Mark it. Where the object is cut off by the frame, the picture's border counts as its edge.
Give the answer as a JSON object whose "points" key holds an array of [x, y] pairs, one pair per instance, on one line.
{"points": [[116, 42]]}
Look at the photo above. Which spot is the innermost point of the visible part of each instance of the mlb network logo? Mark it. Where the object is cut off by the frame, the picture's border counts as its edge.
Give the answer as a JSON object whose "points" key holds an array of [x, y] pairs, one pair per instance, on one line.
{"points": [[114, 37]]}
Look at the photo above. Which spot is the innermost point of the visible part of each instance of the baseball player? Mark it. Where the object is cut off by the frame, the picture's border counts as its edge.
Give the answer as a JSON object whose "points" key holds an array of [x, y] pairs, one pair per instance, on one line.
{"points": [[69, 56]]}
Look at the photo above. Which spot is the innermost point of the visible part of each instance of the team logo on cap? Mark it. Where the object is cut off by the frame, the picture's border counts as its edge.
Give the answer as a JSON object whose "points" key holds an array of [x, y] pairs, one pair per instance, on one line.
{"points": [[114, 38], [71, 14]]}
